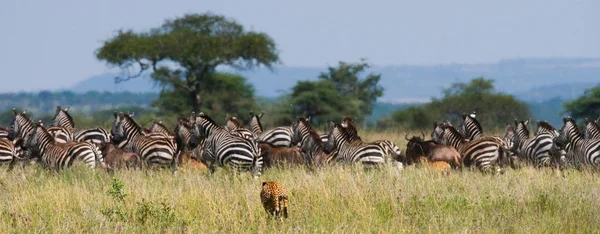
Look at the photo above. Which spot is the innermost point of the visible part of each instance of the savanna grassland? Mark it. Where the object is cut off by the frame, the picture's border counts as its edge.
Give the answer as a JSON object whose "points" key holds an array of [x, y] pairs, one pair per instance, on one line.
{"points": [[337, 199]]}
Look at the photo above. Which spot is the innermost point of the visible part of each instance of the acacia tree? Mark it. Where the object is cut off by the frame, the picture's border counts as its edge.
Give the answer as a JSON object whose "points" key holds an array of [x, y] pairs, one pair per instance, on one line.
{"points": [[341, 91], [182, 53], [585, 106]]}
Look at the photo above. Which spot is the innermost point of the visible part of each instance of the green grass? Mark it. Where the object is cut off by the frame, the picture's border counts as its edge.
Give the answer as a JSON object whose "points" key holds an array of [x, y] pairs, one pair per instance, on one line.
{"points": [[337, 199]]}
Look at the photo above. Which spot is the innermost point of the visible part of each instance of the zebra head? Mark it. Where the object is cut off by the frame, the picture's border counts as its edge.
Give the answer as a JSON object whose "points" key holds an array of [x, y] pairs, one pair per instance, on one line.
{"points": [[37, 134], [118, 130], [509, 135], [592, 129], [159, 127], [337, 135], [20, 125], [569, 132], [470, 126], [255, 124], [204, 125], [62, 118], [438, 132]]}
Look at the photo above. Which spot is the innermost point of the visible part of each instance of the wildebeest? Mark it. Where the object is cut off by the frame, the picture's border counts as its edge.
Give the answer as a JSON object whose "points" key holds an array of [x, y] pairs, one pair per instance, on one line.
{"points": [[116, 158], [279, 156], [434, 151]]}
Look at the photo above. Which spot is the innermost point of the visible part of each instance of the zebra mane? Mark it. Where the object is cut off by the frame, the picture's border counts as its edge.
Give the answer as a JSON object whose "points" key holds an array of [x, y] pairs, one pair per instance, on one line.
{"points": [[524, 128], [130, 119], [160, 125], [64, 112], [234, 121], [258, 117], [544, 124], [207, 118], [593, 123], [311, 129], [454, 131], [572, 121], [472, 118], [39, 125]]}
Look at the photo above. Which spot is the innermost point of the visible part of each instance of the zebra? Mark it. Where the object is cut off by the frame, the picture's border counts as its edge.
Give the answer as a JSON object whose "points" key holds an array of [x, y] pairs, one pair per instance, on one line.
{"points": [[582, 151], [226, 149], [352, 136], [255, 124], [358, 152], [535, 149], [10, 151], [311, 146], [159, 131], [235, 127], [592, 129], [484, 152], [470, 127], [154, 151], [472, 130], [278, 136], [58, 156], [559, 153], [4, 132], [62, 118]]}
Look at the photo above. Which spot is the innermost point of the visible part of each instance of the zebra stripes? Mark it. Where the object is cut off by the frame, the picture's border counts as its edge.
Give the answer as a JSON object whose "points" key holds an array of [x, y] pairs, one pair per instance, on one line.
{"points": [[62, 118], [592, 129], [534, 149], [225, 149], [470, 127], [59, 156], [310, 143], [484, 152], [583, 151], [255, 124], [154, 151], [351, 133], [10, 151], [357, 152]]}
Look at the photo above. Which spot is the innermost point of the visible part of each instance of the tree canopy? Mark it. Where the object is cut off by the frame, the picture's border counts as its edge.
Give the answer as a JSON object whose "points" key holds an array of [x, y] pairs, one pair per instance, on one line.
{"points": [[339, 92], [184, 52], [585, 106], [493, 109]]}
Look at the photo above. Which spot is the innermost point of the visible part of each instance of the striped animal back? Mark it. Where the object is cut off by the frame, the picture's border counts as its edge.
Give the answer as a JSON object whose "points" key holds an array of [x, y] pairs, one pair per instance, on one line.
{"points": [[583, 151], [154, 151], [304, 134], [484, 152], [592, 129], [357, 152], [58, 156], [4, 132], [535, 149], [226, 149]]}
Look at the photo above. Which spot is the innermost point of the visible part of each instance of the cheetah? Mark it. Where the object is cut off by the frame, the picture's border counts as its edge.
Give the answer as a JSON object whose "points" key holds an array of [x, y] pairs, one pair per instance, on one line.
{"points": [[274, 199]]}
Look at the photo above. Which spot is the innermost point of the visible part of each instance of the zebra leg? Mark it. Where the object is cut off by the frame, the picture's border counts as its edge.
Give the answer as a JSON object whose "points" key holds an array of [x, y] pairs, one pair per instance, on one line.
{"points": [[174, 166], [11, 165]]}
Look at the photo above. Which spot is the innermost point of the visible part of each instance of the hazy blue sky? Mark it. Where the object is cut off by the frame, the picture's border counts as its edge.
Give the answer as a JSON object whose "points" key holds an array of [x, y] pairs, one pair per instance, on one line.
{"points": [[50, 44]]}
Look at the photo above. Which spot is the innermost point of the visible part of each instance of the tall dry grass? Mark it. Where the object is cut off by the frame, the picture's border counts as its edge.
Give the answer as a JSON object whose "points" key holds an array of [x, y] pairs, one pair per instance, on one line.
{"points": [[337, 199]]}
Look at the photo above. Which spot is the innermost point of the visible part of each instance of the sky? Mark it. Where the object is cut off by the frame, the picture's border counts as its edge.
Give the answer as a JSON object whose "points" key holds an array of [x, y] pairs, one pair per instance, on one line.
{"points": [[50, 44]]}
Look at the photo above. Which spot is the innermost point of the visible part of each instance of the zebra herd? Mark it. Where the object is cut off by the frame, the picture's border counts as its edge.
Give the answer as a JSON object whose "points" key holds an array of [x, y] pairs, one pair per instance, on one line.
{"points": [[198, 136], [548, 147]]}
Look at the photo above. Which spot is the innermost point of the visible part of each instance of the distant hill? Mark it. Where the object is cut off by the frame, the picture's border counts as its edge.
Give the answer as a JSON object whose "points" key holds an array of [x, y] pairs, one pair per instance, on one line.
{"points": [[529, 79]]}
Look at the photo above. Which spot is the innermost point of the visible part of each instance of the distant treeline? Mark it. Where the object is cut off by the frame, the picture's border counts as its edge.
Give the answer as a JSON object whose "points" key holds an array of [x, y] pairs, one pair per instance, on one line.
{"points": [[46, 101], [91, 103]]}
